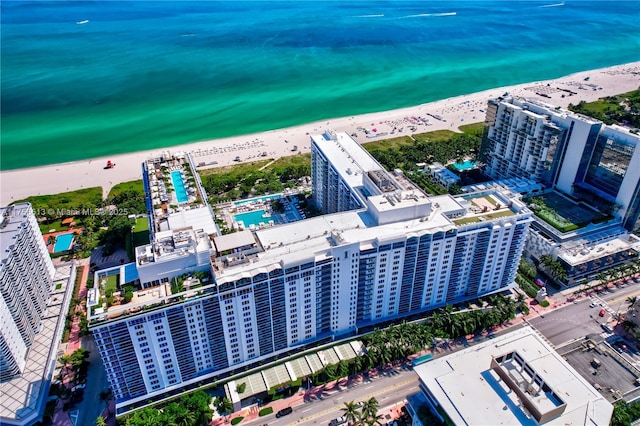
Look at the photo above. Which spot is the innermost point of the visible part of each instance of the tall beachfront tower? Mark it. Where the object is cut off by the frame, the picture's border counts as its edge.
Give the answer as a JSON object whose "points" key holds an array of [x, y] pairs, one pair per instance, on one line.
{"points": [[570, 152], [26, 280], [275, 290]]}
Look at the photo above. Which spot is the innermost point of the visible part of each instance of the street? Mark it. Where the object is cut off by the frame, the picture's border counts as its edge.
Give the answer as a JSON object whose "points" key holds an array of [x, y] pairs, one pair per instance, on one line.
{"points": [[91, 406], [389, 389]]}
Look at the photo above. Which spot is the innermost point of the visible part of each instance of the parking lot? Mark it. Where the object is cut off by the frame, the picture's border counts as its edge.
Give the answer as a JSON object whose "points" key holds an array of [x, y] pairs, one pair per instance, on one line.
{"points": [[602, 367]]}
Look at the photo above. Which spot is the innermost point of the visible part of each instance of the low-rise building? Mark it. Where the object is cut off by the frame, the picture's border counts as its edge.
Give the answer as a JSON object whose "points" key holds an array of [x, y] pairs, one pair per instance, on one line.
{"points": [[515, 378]]}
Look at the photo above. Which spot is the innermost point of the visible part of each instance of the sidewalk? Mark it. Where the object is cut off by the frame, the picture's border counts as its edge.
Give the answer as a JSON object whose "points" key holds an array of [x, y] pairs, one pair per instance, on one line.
{"points": [[74, 334], [306, 395]]}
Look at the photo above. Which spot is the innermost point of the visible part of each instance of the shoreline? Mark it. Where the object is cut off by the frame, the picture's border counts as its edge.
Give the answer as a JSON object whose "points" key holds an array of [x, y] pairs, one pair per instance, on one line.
{"points": [[445, 114]]}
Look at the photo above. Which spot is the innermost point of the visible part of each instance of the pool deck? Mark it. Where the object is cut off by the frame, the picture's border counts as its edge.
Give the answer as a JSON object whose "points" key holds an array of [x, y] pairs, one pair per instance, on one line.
{"points": [[45, 237]]}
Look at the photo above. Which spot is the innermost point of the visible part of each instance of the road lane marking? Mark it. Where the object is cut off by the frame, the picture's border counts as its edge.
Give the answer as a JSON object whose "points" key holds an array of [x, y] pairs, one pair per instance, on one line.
{"points": [[305, 420]]}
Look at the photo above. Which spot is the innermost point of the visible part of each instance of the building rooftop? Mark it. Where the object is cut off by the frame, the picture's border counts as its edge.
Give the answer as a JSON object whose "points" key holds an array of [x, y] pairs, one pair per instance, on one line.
{"points": [[512, 379], [11, 219], [176, 198], [172, 244], [347, 156], [295, 242], [596, 246]]}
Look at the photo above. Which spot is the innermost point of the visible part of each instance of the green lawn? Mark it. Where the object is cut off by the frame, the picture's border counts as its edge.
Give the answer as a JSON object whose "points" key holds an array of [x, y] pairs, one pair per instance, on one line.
{"points": [[134, 185], [436, 135], [490, 216], [65, 200], [56, 224], [473, 128], [384, 144], [141, 232], [112, 282]]}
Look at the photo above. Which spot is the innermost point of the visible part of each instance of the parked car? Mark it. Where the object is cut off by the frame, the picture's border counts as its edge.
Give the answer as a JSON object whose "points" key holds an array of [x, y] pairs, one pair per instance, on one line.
{"points": [[284, 412], [602, 312], [340, 420], [620, 346]]}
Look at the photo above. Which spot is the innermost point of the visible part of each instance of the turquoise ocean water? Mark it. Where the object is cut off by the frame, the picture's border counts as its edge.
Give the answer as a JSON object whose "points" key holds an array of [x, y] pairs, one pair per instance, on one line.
{"points": [[145, 75]]}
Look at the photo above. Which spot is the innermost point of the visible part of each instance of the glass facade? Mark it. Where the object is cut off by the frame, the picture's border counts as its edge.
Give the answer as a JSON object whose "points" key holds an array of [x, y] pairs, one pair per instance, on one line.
{"points": [[608, 165]]}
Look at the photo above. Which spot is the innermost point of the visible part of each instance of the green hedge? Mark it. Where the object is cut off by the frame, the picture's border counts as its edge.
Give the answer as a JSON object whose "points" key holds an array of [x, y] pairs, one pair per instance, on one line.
{"points": [[528, 288], [265, 411], [544, 303], [236, 420]]}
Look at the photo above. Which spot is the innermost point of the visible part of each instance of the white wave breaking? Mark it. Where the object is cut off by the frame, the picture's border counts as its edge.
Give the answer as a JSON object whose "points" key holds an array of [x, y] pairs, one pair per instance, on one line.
{"points": [[420, 15]]}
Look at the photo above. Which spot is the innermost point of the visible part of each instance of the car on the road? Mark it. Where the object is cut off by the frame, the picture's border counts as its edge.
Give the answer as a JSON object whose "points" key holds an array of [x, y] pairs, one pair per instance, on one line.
{"points": [[340, 420], [606, 327], [602, 312], [284, 412], [620, 346], [358, 404], [592, 305]]}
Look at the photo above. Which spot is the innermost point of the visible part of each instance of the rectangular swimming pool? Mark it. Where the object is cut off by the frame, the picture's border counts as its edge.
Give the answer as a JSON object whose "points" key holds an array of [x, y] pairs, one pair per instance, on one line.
{"points": [[254, 218], [178, 186], [63, 242], [466, 165]]}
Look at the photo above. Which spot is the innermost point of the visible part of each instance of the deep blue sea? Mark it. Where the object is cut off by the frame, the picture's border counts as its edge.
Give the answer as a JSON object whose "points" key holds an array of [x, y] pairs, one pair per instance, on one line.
{"points": [[150, 74]]}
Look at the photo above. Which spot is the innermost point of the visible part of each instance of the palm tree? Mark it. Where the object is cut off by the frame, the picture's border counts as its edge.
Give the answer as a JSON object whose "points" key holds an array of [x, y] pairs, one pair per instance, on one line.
{"points": [[180, 415], [369, 413], [629, 326], [632, 301], [351, 413], [602, 277], [100, 421], [65, 360]]}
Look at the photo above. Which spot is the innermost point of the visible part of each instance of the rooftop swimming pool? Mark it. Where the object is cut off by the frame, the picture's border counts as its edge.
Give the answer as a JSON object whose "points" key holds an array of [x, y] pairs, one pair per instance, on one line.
{"points": [[263, 198], [63, 242], [178, 186], [466, 165], [254, 218]]}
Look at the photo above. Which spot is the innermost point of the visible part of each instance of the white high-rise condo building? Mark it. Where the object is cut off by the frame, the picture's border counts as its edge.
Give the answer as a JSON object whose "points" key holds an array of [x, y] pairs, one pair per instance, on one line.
{"points": [[573, 153], [384, 251], [586, 164], [26, 280]]}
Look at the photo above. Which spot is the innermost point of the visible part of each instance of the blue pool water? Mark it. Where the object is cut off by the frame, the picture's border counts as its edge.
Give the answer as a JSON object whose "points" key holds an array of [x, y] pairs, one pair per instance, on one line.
{"points": [[252, 218], [178, 185], [265, 197], [63, 242], [466, 165]]}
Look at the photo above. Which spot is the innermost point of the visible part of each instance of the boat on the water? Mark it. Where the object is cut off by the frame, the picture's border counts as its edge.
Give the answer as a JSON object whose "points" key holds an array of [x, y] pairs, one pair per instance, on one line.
{"points": [[86, 21]]}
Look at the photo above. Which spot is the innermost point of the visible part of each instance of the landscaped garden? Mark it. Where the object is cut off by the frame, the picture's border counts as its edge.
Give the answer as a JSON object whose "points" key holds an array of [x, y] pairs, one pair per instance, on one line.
{"points": [[621, 109], [562, 213]]}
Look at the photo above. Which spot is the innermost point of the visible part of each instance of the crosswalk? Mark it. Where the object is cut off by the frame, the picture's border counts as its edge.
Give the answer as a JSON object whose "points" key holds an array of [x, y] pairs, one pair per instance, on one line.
{"points": [[603, 305]]}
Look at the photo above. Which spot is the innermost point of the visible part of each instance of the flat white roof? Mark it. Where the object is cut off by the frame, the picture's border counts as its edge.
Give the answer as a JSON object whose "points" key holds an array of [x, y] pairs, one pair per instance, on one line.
{"points": [[235, 240], [299, 241], [471, 393], [198, 218], [347, 157], [584, 251]]}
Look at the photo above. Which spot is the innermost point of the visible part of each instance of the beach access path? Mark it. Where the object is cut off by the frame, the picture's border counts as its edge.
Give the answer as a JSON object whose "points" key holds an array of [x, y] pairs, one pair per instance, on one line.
{"points": [[446, 114]]}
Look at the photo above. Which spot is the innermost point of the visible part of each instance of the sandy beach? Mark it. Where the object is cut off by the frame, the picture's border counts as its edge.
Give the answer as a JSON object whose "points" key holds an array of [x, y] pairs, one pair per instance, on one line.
{"points": [[444, 114]]}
